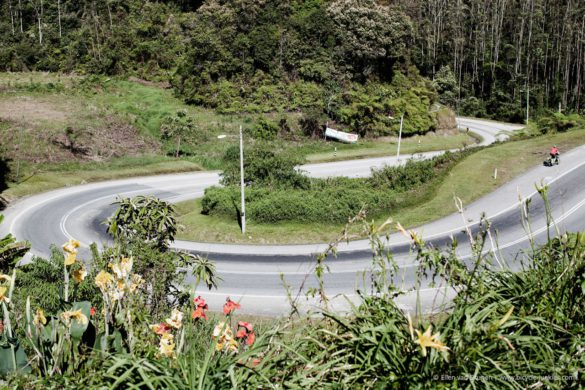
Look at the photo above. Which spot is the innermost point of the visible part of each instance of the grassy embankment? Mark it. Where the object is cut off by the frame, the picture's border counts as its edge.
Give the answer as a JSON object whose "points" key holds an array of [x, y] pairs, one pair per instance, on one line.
{"points": [[120, 120], [469, 180]]}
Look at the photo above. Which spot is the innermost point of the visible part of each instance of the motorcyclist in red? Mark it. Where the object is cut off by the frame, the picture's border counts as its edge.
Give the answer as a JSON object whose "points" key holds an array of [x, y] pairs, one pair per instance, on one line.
{"points": [[554, 154]]}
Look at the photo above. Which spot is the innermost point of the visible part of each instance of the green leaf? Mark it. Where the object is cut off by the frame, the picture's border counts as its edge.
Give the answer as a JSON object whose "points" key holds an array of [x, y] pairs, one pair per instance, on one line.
{"points": [[6, 362], [77, 328], [115, 341]]}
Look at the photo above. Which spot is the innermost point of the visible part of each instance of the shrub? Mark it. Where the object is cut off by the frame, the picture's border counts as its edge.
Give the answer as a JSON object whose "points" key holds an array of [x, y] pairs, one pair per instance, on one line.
{"points": [[556, 122], [143, 219], [263, 166], [264, 129], [336, 199], [311, 124]]}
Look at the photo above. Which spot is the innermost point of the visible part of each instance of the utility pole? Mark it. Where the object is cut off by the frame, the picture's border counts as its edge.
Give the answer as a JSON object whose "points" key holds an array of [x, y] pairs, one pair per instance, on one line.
{"points": [[527, 102], [242, 182], [400, 136]]}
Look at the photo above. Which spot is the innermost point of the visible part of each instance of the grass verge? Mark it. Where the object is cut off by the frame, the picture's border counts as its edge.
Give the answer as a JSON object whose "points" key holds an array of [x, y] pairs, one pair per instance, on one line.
{"points": [[74, 174], [467, 180], [389, 146]]}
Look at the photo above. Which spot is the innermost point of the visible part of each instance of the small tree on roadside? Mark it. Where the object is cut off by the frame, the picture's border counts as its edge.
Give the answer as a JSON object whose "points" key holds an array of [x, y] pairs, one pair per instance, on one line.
{"points": [[263, 165], [144, 227], [144, 219], [180, 128], [11, 251]]}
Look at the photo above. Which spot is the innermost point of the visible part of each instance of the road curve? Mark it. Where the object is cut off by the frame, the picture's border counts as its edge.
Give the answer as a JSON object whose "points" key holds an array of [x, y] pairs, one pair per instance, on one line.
{"points": [[252, 273]]}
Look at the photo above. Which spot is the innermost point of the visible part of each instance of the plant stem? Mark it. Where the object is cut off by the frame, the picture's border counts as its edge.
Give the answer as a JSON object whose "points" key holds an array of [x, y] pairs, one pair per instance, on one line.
{"points": [[8, 330]]}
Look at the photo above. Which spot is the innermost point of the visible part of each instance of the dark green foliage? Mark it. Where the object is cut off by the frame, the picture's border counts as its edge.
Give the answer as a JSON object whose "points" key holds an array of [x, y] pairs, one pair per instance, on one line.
{"points": [[247, 56], [11, 251], [375, 109], [445, 83], [180, 133], [556, 122], [311, 124], [263, 166], [120, 38], [335, 200], [264, 129], [42, 280], [144, 219], [4, 175]]}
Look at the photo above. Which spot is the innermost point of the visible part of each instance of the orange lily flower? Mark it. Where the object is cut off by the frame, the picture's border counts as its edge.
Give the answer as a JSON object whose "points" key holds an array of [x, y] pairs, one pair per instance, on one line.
{"points": [[230, 306]]}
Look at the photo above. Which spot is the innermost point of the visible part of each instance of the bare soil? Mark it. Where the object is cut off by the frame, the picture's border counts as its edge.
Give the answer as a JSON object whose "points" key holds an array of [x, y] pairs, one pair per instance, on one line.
{"points": [[29, 109], [42, 130]]}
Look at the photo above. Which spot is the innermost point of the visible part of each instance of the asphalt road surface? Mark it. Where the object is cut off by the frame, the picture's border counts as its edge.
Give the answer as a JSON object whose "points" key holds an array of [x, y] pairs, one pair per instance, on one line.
{"points": [[252, 274]]}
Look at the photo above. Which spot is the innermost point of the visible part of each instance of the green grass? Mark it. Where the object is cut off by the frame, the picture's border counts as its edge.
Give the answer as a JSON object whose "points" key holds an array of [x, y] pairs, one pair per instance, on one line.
{"points": [[147, 106], [388, 147], [467, 180], [204, 228]]}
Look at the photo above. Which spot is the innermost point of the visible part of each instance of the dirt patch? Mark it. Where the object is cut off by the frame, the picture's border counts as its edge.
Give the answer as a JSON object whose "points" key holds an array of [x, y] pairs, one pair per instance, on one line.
{"points": [[31, 110], [37, 144], [113, 138]]}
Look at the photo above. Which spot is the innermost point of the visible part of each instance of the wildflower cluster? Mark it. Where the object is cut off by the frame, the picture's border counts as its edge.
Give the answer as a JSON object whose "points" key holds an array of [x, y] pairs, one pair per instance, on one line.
{"points": [[223, 334], [200, 308], [164, 330], [121, 281], [246, 333]]}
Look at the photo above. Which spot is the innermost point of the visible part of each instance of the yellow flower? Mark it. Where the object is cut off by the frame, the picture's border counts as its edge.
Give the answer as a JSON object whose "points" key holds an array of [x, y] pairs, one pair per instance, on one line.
{"points": [[123, 268], [3, 297], [416, 240], [176, 320], [70, 258], [230, 345], [222, 329], [5, 278], [103, 280], [136, 282], [76, 315], [79, 275], [40, 318], [426, 340], [167, 345], [70, 246], [225, 341]]}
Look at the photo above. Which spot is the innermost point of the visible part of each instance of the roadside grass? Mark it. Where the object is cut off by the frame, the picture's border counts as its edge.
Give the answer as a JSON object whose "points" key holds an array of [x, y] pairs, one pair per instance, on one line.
{"points": [[388, 147], [147, 106], [469, 180], [70, 174], [204, 228]]}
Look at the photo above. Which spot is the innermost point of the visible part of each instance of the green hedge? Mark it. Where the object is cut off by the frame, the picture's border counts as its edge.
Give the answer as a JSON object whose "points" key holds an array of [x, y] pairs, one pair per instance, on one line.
{"points": [[335, 199]]}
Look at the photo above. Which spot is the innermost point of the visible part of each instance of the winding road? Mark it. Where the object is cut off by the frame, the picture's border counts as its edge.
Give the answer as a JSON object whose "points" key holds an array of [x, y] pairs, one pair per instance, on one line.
{"points": [[252, 274]]}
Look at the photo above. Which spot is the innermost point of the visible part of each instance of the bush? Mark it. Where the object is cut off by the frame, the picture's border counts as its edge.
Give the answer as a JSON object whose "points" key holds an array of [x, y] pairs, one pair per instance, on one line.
{"points": [[263, 166], [556, 122], [264, 129], [143, 219], [336, 199], [310, 124]]}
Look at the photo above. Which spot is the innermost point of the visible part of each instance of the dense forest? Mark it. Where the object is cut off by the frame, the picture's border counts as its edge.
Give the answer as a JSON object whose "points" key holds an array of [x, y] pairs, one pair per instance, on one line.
{"points": [[338, 58]]}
